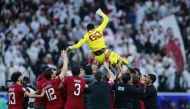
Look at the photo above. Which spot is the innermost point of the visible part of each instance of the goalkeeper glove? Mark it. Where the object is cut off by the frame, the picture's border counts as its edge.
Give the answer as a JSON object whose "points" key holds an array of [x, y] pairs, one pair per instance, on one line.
{"points": [[99, 11]]}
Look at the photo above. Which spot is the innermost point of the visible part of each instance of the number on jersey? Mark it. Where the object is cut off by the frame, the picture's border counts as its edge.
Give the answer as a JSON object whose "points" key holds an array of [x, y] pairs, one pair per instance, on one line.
{"points": [[50, 94], [77, 91], [12, 99], [95, 36]]}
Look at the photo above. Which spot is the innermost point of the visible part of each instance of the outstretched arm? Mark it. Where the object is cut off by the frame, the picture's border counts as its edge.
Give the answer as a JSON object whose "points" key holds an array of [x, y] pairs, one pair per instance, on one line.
{"points": [[105, 21], [79, 44], [33, 95], [111, 75]]}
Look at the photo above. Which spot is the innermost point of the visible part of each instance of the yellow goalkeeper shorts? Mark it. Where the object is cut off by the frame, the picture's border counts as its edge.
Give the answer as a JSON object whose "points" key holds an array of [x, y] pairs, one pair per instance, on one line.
{"points": [[113, 58]]}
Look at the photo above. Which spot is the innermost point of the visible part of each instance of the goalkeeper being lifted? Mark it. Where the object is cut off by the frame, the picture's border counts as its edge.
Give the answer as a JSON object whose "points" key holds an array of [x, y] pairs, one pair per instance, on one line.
{"points": [[95, 40]]}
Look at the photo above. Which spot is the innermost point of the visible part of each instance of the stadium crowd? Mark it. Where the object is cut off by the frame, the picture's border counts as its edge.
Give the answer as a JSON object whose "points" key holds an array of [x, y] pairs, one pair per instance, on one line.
{"points": [[33, 32]]}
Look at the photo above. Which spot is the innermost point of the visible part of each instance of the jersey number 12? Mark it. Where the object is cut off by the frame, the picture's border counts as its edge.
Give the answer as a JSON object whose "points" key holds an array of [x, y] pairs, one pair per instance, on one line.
{"points": [[50, 94]]}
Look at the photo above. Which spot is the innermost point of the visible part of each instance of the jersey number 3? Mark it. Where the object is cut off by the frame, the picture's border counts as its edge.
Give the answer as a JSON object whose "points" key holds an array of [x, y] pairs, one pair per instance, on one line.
{"points": [[77, 91], [50, 94]]}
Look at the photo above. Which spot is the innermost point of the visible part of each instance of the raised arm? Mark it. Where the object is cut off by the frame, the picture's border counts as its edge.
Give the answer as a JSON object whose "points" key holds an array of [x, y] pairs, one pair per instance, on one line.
{"points": [[105, 19], [79, 44], [111, 75], [120, 71], [119, 66], [65, 65], [149, 92]]}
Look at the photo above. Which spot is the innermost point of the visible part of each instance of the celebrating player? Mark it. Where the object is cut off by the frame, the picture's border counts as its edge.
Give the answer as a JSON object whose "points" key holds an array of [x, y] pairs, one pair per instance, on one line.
{"points": [[75, 86], [53, 95], [94, 38], [17, 92], [39, 103]]}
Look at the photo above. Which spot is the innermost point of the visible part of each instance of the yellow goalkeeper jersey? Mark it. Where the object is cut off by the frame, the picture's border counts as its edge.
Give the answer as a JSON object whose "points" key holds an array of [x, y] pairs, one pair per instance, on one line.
{"points": [[94, 38]]}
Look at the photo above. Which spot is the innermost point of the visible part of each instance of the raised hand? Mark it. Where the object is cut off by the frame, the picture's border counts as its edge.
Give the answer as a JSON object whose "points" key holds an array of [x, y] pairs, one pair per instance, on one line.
{"points": [[63, 53], [99, 11]]}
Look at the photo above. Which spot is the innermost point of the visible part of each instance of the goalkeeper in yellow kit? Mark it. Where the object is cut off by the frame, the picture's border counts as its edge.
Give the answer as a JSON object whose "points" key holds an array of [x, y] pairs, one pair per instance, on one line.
{"points": [[95, 40]]}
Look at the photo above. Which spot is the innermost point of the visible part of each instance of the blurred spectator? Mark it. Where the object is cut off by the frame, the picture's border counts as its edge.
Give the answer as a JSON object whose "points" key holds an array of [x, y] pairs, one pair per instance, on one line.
{"points": [[3, 102], [2, 74], [173, 50], [28, 102]]}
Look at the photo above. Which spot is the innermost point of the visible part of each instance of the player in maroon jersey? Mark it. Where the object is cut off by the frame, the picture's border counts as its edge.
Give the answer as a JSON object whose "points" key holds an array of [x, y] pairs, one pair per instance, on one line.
{"points": [[53, 96], [39, 103], [75, 87], [17, 92]]}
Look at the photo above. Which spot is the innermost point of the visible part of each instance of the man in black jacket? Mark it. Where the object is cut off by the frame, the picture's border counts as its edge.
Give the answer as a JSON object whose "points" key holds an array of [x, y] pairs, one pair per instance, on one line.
{"points": [[124, 92], [151, 93], [100, 90], [90, 79]]}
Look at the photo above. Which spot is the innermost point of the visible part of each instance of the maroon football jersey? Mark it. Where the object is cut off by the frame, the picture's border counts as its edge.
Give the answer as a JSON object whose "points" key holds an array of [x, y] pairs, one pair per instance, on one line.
{"points": [[52, 93], [75, 87], [63, 96], [16, 96], [39, 101]]}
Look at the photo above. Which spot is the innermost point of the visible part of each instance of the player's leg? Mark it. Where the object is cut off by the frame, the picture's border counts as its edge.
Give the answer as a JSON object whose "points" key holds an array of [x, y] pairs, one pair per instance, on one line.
{"points": [[100, 59], [114, 58]]}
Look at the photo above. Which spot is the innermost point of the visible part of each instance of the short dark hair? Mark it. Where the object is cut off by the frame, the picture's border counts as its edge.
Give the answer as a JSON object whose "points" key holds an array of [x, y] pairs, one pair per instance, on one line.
{"points": [[98, 76], [152, 77], [135, 79], [42, 68], [47, 73], [26, 79], [90, 26], [15, 76], [76, 70], [126, 77]]}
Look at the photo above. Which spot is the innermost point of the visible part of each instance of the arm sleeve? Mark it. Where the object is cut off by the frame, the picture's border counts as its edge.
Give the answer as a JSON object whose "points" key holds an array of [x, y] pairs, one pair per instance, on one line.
{"points": [[23, 90], [149, 92], [134, 90], [104, 23], [88, 78], [80, 43]]}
